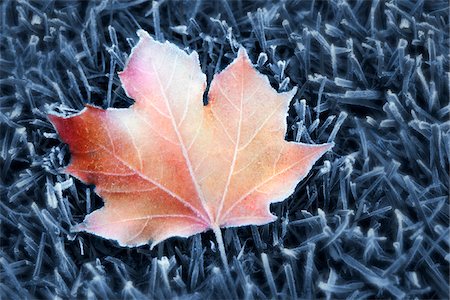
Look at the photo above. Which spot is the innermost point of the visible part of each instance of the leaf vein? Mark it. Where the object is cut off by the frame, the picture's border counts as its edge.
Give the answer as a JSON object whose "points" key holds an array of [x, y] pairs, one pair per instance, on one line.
{"points": [[182, 146], [153, 217], [264, 182], [260, 127], [235, 153], [163, 188]]}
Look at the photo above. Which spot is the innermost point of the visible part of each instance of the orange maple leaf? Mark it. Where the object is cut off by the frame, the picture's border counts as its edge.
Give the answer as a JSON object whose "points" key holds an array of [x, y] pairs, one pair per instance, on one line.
{"points": [[170, 166]]}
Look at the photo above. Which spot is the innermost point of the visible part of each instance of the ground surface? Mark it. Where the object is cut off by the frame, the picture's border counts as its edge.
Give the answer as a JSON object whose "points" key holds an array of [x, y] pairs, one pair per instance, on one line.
{"points": [[370, 221]]}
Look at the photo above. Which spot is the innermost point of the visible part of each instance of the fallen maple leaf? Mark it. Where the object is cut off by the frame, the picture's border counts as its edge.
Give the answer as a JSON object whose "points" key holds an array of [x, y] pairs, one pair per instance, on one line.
{"points": [[169, 166]]}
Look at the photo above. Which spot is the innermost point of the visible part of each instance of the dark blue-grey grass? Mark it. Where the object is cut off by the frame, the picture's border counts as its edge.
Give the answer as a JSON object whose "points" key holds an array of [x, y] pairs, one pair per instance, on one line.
{"points": [[370, 221]]}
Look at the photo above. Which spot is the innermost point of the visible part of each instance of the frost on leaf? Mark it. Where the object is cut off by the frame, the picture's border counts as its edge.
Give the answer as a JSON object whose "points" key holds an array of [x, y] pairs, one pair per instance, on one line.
{"points": [[169, 166]]}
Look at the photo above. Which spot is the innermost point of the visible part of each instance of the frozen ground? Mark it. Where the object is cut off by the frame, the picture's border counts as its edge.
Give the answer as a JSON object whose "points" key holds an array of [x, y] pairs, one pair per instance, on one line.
{"points": [[370, 221]]}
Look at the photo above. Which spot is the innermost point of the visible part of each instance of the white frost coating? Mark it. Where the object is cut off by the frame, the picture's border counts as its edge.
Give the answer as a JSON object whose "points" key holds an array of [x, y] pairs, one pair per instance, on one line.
{"points": [[51, 197], [36, 20]]}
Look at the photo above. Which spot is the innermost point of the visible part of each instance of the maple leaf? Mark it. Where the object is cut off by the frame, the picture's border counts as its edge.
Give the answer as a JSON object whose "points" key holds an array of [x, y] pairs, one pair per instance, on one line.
{"points": [[170, 166]]}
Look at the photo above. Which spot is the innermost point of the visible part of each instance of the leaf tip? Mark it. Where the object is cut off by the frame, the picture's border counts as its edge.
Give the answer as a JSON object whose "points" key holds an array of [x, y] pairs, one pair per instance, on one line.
{"points": [[324, 148], [328, 146], [141, 33], [54, 119], [242, 52], [290, 94], [78, 228]]}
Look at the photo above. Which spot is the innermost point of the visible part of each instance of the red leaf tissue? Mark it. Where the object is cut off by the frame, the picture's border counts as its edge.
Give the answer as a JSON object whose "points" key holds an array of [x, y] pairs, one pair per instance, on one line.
{"points": [[168, 165]]}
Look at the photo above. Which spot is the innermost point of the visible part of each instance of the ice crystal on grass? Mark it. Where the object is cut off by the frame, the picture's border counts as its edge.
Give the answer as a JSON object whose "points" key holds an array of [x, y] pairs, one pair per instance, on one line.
{"points": [[371, 221]]}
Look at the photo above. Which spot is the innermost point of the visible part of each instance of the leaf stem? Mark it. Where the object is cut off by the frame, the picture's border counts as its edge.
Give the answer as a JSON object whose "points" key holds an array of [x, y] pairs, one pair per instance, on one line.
{"points": [[219, 240]]}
